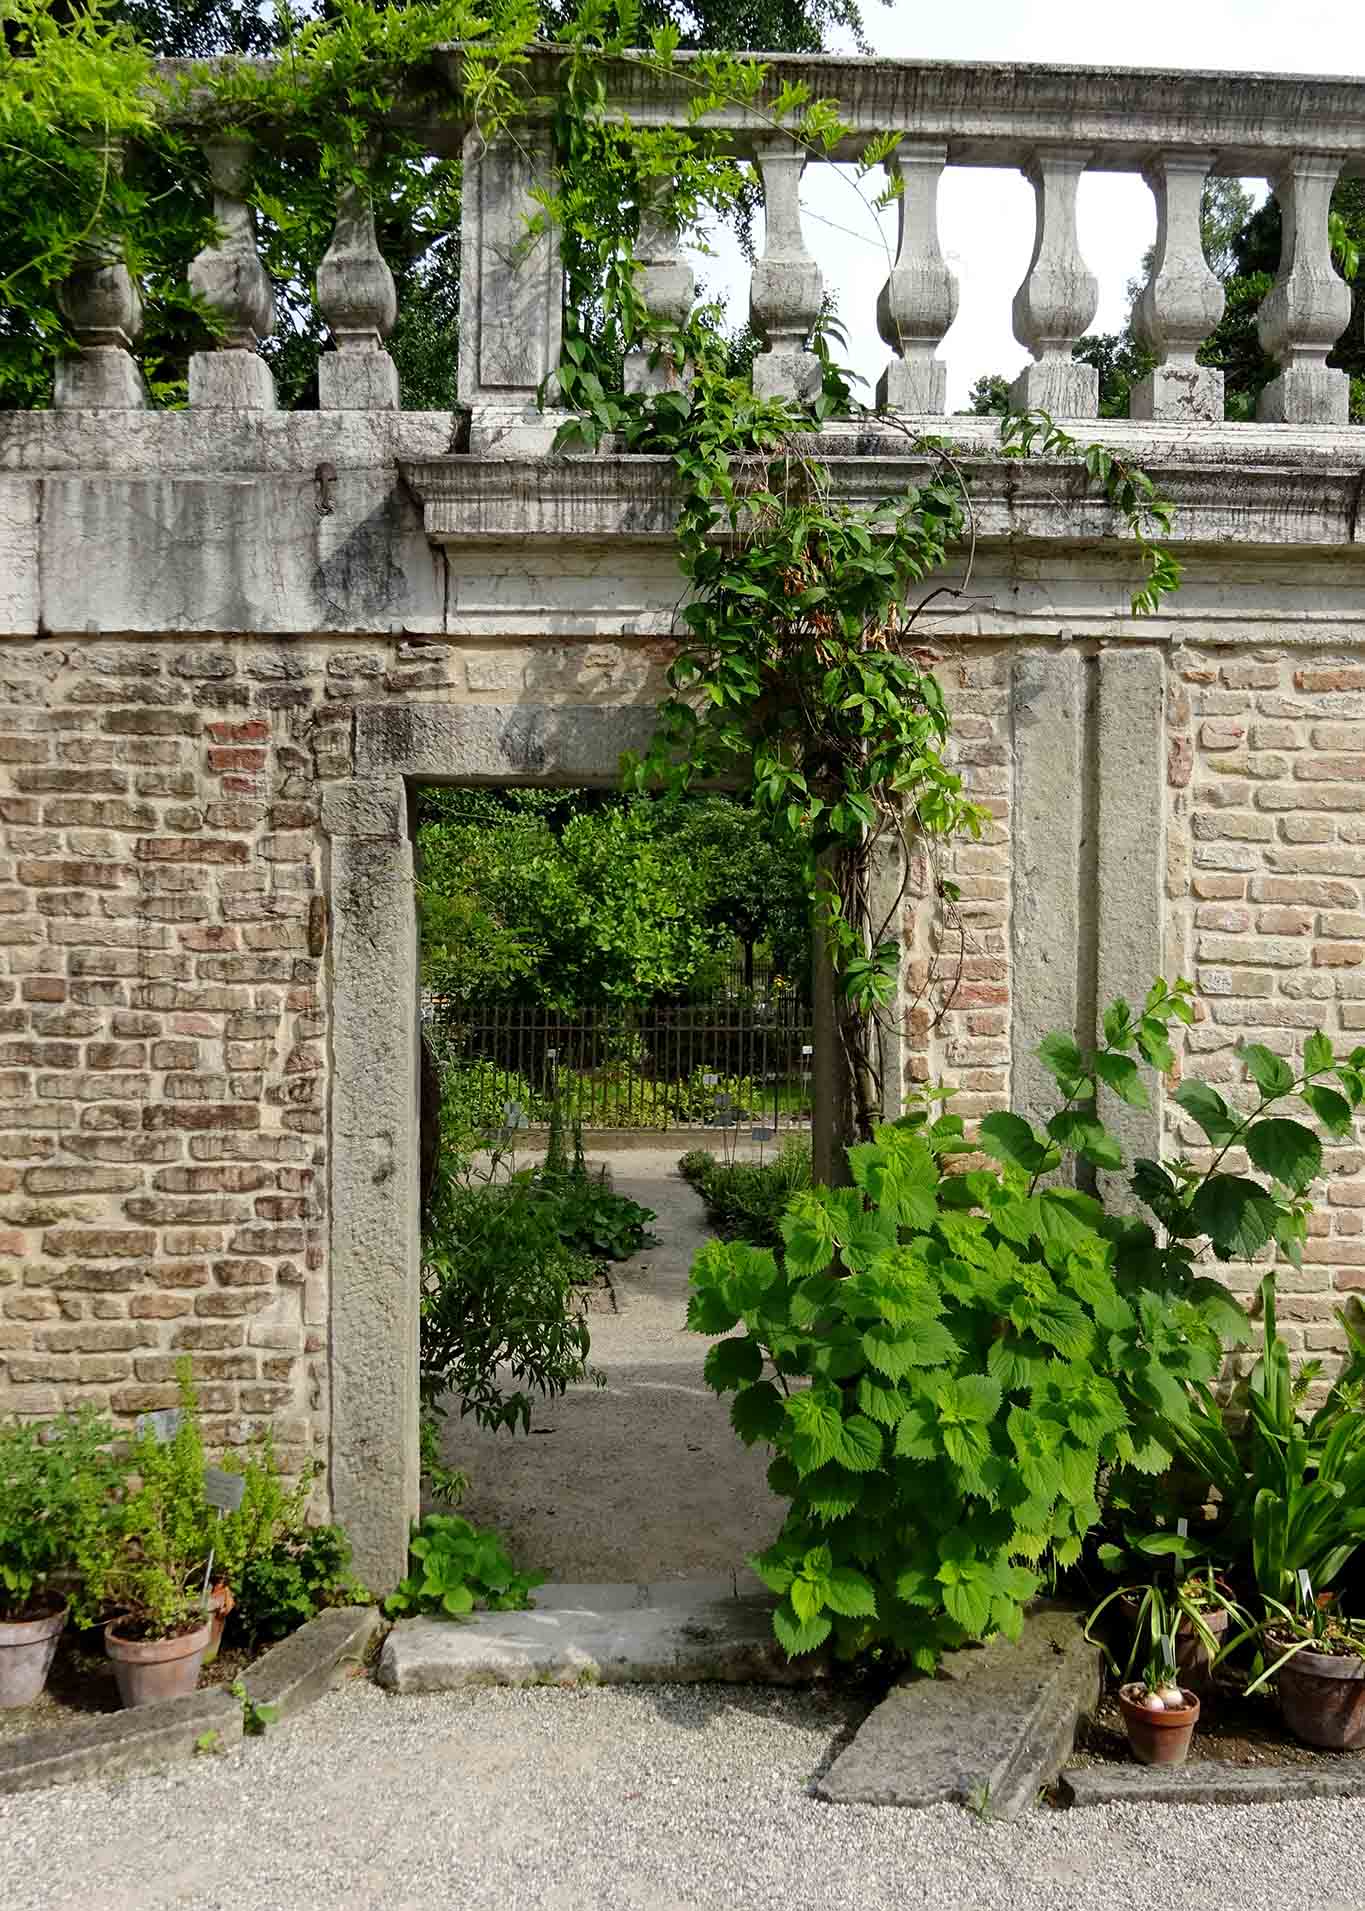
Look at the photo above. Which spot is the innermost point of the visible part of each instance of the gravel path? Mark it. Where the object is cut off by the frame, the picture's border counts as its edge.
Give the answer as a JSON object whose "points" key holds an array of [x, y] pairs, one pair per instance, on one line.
{"points": [[642, 1479], [635, 1798]]}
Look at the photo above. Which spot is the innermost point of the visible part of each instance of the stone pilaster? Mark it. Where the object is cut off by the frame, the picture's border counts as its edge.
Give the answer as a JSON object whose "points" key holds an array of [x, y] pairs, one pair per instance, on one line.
{"points": [[1309, 306], [1182, 300], [786, 289], [1056, 303], [229, 277], [919, 301]]}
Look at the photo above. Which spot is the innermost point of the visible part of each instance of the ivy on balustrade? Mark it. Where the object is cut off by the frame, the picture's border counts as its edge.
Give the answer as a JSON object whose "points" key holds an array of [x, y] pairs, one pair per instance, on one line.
{"points": [[805, 669]]}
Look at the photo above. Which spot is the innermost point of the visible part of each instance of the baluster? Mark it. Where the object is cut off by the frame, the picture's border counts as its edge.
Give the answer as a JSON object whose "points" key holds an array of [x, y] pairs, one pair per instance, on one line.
{"points": [[919, 301], [1308, 307], [229, 277], [356, 297], [786, 289], [104, 307], [1056, 302], [668, 286], [1182, 300]]}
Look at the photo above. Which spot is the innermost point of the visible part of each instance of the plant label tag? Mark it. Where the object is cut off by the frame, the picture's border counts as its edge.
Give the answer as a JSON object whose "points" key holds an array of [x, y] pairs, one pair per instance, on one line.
{"points": [[1182, 1528], [1305, 1586], [724, 1101], [709, 1081], [163, 1426], [806, 1049], [761, 1134], [223, 1490]]}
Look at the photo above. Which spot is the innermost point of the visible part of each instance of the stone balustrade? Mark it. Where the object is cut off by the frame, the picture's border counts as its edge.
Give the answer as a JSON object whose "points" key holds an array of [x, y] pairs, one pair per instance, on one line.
{"points": [[1054, 124]]}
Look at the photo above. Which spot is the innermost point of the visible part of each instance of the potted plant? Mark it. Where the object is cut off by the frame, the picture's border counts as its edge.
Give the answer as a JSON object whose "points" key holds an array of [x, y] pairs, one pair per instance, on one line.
{"points": [[1159, 1716], [1319, 1673], [55, 1480], [1194, 1611], [154, 1573]]}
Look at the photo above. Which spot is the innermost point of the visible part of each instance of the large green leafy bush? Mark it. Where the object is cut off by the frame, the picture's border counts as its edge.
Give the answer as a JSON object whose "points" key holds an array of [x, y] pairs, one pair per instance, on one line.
{"points": [[946, 1361]]}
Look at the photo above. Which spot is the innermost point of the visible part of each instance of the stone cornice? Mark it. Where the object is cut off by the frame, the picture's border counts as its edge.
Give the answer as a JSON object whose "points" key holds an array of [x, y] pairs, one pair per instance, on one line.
{"points": [[1308, 496]]}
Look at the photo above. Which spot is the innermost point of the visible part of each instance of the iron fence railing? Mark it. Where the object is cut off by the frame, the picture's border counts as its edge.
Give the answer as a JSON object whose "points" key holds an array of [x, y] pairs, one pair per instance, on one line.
{"points": [[740, 1061]]}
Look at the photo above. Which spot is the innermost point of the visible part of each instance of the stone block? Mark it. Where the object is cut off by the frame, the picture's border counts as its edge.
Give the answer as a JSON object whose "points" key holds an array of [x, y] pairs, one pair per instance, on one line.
{"points": [[121, 1744]]}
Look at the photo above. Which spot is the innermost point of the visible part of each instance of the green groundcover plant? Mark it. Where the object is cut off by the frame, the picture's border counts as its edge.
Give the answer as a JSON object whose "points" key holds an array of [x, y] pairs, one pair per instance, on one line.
{"points": [[946, 1362], [455, 1568]]}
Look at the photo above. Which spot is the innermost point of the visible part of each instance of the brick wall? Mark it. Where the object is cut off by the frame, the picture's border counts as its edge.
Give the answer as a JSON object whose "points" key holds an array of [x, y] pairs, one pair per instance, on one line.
{"points": [[1266, 883]]}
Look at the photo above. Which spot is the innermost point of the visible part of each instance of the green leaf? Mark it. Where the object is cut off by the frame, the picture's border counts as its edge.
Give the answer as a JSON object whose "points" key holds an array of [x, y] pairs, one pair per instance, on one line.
{"points": [[832, 1493], [1271, 1073], [883, 1404], [1010, 1139], [861, 1447], [1237, 1215], [817, 1427], [1317, 1054], [1120, 1072], [1207, 1107], [1332, 1110], [1078, 1129], [1060, 1055], [756, 1413], [851, 1594], [807, 1596], [1287, 1150], [732, 1363], [797, 1637]]}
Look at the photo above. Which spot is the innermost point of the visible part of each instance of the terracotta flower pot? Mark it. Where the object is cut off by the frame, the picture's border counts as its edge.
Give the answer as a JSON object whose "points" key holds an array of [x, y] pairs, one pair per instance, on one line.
{"points": [[1158, 1738], [151, 1669], [1322, 1699], [27, 1647], [221, 1603]]}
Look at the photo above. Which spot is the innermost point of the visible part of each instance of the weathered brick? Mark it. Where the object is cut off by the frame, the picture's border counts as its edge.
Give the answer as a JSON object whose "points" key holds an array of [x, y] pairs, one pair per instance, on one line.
{"points": [[190, 849]]}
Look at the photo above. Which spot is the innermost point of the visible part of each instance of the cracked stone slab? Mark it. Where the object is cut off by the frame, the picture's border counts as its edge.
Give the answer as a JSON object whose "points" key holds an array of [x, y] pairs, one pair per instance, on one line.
{"points": [[310, 1661], [995, 1725], [1211, 1782], [678, 1632], [119, 1744]]}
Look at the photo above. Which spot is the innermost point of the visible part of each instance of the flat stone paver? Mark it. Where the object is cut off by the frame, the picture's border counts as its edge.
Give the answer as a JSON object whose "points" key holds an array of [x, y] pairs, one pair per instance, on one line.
{"points": [[995, 1725], [1211, 1782], [597, 1635]]}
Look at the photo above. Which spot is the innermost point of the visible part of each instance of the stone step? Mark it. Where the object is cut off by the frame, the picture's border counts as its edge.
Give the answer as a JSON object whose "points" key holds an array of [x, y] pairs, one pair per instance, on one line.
{"points": [[995, 1726], [680, 1631]]}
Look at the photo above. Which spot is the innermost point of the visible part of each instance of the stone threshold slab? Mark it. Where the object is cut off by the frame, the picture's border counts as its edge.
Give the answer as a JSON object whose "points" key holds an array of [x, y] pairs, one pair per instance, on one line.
{"points": [[1210, 1782], [682, 1631], [990, 1730]]}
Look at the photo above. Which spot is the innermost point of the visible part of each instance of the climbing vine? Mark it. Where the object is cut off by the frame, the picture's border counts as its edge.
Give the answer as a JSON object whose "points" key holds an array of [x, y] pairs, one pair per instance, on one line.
{"points": [[803, 674]]}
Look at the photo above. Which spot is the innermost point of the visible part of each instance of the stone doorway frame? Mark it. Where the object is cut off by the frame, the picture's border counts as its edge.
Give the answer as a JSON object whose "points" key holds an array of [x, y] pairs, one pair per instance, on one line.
{"points": [[373, 1151]]}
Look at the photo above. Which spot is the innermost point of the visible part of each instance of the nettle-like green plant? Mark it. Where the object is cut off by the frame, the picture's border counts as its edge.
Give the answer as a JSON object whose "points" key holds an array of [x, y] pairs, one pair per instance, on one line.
{"points": [[946, 1361], [455, 1568]]}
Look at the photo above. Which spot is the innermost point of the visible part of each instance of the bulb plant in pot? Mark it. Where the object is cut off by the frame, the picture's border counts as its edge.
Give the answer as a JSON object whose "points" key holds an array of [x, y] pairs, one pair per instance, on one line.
{"points": [[1159, 1714], [55, 1482], [1195, 1607], [1319, 1672]]}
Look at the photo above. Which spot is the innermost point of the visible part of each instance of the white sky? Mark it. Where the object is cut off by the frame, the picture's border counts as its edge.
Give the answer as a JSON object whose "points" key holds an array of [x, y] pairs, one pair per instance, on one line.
{"points": [[985, 216]]}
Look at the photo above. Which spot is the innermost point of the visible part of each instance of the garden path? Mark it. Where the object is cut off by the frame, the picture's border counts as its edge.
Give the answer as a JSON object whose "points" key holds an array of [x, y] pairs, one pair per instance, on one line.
{"points": [[641, 1479]]}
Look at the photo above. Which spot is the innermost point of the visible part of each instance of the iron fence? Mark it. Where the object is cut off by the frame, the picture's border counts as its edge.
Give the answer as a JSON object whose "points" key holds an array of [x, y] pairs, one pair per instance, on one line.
{"points": [[742, 1061]]}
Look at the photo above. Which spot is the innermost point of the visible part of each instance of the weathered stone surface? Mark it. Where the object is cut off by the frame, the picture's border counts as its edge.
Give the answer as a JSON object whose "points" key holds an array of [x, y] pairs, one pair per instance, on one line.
{"points": [[120, 1744], [995, 1725], [1210, 1782], [680, 1637], [310, 1661]]}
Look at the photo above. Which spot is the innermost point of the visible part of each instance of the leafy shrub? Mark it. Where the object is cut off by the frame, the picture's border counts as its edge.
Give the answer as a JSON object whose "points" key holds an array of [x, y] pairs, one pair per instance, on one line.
{"points": [[497, 1288], [746, 1200], [475, 1096], [56, 1481], [976, 1346], [298, 1576], [455, 1568]]}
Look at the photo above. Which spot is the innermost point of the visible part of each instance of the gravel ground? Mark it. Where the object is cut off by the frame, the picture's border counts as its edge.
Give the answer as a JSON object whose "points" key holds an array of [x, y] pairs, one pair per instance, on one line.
{"points": [[624, 1797], [641, 1479]]}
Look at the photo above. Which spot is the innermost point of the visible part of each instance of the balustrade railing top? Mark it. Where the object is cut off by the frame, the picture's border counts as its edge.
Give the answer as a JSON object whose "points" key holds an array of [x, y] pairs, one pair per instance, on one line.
{"points": [[1054, 123]]}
